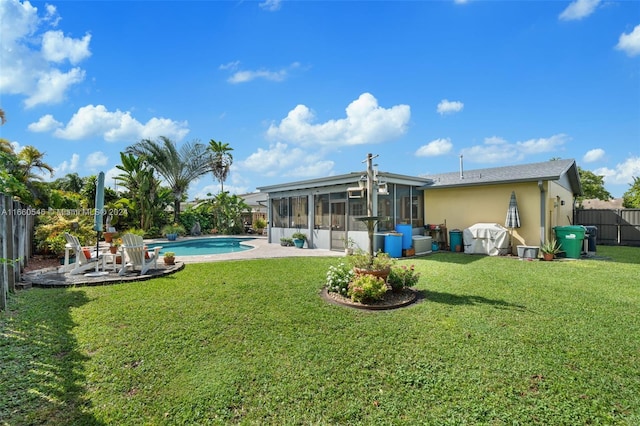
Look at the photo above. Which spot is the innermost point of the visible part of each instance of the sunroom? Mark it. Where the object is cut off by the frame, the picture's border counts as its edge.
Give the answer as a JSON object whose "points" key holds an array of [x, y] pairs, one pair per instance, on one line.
{"points": [[330, 210]]}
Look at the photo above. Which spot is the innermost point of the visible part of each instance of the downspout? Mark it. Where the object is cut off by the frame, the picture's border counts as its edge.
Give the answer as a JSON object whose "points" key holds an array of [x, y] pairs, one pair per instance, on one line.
{"points": [[543, 212], [269, 220], [310, 219]]}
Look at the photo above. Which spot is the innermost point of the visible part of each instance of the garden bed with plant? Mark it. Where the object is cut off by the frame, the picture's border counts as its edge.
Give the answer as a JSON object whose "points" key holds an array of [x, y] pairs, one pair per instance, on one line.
{"points": [[373, 282]]}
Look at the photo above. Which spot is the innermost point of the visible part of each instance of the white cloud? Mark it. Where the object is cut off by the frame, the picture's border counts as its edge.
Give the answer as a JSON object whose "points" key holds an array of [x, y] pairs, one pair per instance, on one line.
{"points": [[46, 123], [312, 169], [271, 5], [365, 123], [109, 178], [623, 172], [230, 66], [95, 160], [68, 166], [630, 43], [496, 149], [32, 57], [56, 47], [579, 9], [449, 107], [593, 155], [536, 146], [271, 161], [435, 148], [90, 121], [244, 76], [52, 86]]}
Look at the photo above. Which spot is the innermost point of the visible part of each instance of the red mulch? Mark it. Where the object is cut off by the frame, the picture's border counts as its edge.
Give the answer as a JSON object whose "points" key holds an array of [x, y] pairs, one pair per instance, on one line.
{"points": [[40, 261]]}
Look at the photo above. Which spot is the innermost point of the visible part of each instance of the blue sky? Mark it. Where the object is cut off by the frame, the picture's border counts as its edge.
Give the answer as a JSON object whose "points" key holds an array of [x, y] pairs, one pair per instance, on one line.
{"points": [[305, 89]]}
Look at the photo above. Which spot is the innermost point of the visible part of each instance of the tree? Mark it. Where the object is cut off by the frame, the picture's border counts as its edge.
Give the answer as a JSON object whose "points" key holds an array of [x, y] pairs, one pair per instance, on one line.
{"points": [[227, 211], [221, 161], [138, 178], [178, 167], [592, 187], [631, 197], [71, 182], [17, 173]]}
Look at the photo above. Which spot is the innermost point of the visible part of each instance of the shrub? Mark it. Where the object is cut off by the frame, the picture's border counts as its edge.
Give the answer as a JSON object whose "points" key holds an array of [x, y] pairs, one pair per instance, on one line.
{"points": [[175, 228], [366, 288], [49, 233], [299, 236], [287, 242], [338, 278], [362, 260], [402, 276]]}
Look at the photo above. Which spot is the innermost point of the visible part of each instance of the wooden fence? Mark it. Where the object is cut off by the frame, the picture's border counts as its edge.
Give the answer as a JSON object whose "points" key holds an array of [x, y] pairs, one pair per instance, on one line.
{"points": [[615, 226], [16, 242]]}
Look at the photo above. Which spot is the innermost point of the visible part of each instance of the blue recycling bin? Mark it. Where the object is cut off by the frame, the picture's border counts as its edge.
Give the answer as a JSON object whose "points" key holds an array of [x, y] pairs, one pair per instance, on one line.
{"points": [[393, 244], [406, 231]]}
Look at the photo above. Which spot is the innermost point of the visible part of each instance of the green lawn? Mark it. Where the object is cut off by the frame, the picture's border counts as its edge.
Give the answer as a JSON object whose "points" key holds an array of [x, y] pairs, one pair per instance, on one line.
{"points": [[494, 341]]}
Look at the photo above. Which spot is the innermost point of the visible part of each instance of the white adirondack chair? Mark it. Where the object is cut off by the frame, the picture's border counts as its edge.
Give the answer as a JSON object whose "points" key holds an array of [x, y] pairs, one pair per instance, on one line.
{"points": [[81, 263], [135, 251]]}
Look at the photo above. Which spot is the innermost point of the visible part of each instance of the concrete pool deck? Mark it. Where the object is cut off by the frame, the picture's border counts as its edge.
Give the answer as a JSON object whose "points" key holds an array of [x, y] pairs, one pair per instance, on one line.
{"points": [[50, 278], [261, 250]]}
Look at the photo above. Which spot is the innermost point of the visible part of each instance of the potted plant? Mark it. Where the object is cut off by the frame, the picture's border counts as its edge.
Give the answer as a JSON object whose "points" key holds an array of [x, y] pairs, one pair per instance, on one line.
{"points": [[115, 245], [550, 249], [286, 242], [173, 231], [169, 258], [349, 245], [378, 265], [299, 238], [260, 224]]}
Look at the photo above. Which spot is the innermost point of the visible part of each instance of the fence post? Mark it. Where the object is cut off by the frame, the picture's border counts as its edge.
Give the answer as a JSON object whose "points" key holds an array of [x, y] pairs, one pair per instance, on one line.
{"points": [[4, 275], [11, 282]]}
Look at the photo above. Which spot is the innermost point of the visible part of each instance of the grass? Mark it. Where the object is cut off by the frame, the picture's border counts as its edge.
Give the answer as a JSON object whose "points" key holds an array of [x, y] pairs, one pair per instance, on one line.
{"points": [[494, 341]]}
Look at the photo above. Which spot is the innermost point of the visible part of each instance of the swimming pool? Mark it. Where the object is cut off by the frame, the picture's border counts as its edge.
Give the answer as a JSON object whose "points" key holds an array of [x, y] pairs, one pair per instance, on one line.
{"points": [[201, 246]]}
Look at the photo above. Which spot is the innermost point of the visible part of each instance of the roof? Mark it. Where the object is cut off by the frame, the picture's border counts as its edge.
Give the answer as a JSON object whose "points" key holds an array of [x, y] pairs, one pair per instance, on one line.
{"points": [[345, 179], [554, 170]]}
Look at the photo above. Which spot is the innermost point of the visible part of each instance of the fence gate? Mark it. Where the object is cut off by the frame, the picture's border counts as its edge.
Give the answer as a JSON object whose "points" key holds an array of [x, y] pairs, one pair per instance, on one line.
{"points": [[615, 226]]}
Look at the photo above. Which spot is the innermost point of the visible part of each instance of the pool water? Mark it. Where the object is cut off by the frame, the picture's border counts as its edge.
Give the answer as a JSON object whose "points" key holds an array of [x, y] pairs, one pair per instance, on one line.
{"points": [[202, 246]]}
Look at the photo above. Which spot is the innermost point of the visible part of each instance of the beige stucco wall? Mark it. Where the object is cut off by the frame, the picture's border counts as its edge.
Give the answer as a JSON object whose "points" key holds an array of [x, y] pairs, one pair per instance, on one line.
{"points": [[462, 207]]}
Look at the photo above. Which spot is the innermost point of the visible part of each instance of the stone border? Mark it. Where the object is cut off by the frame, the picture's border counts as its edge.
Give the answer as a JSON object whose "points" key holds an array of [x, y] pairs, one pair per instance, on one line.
{"points": [[339, 300], [52, 279]]}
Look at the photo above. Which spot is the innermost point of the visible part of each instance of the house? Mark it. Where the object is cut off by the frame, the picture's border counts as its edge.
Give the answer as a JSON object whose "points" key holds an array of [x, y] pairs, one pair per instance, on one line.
{"points": [[327, 209], [545, 193]]}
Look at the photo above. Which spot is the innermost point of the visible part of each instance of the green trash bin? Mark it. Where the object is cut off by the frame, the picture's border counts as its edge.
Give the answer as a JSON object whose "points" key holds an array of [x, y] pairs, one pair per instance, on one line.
{"points": [[570, 239], [455, 240]]}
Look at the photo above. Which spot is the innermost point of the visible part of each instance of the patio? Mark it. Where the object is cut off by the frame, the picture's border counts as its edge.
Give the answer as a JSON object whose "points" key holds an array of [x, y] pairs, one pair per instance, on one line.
{"points": [[50, 278]]}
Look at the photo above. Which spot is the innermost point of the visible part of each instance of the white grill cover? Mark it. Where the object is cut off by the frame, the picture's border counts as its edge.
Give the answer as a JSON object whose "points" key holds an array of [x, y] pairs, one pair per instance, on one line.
{"points": [[486, 238]]}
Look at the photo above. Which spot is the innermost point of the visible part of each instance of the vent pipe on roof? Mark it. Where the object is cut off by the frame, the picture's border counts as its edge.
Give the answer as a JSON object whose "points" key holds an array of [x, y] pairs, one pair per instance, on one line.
{"points": [[461, 168]]}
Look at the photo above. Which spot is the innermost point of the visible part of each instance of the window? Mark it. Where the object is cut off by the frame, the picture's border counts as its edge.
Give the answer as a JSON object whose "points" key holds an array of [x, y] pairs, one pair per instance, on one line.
{"points": [[280, 212], [357, 208], [321, 209], [299, 212]]}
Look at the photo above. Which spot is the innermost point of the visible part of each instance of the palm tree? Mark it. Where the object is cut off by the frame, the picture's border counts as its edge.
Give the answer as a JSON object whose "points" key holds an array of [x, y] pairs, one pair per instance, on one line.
{"points": [[138, 178], [71, 182], [221, 161], [178, 167], [30, 157]]}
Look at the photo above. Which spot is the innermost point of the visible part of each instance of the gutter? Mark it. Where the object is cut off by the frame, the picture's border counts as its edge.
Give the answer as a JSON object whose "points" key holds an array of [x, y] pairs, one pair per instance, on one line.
{"points": [[543, 210]]}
